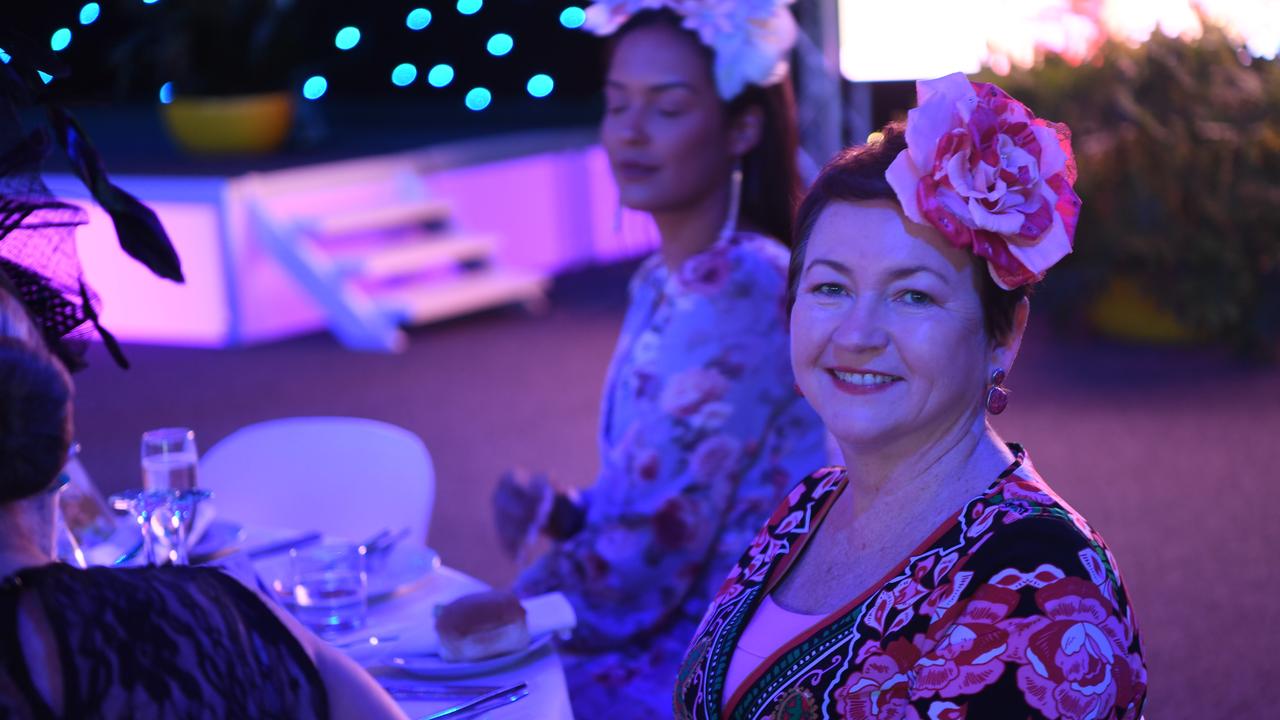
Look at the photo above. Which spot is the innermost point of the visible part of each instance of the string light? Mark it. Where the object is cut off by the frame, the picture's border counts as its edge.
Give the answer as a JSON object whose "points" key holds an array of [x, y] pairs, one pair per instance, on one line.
{"points": [[347, 38], [573, 17], [478, 98], [166, 93], [89, 13], [470, 7], [404, 74], [500, 44], [540, 85], [418, 18], [440, 75], [315, 87], [60, 40]]}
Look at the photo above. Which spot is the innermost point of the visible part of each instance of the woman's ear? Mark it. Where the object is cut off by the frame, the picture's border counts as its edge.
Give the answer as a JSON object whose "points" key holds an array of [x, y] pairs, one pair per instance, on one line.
{"points": [[1005, 352], [745, 131]]}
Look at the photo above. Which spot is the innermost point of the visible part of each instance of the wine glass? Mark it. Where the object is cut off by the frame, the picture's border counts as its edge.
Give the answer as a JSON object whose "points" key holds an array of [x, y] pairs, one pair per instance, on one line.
{"points": [[169, 462]]}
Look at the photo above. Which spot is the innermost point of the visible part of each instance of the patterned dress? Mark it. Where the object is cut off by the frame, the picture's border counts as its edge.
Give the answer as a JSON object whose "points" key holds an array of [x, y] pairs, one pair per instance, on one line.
{"points": [[702, 433], [1013, 608]]}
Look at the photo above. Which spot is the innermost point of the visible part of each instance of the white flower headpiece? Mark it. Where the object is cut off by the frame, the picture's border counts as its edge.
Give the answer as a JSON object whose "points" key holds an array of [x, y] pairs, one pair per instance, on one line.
{"points": [[750, 38]]}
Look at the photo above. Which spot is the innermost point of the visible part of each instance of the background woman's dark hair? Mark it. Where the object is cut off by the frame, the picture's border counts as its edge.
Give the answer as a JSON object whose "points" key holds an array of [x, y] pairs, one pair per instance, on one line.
{"points": [[35, 427], [857, 173], [770, 178]]}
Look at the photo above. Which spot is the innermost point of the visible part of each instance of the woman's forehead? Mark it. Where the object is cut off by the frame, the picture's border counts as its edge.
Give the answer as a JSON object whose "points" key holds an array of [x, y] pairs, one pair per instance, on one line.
{"points": [[657, 56], [875, 237]]}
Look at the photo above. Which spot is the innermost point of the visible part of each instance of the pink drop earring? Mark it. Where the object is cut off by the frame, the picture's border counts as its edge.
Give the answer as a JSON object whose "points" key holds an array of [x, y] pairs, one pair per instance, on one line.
{"points": [[997, 394]]}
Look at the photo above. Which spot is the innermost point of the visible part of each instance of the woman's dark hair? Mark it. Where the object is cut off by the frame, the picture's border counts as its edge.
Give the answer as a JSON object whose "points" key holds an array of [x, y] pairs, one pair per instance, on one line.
{"points": [[770, 178], [857, 173], [35, 419]]}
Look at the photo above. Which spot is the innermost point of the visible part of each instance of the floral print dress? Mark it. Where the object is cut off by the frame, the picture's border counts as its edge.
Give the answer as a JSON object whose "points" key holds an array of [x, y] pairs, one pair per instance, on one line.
{"points": [[1014, 608], [702, 433]]}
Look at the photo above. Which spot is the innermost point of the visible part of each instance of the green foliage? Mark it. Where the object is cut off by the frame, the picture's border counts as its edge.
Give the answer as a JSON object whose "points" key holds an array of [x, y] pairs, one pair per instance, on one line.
{"points": [[1178, 145]]}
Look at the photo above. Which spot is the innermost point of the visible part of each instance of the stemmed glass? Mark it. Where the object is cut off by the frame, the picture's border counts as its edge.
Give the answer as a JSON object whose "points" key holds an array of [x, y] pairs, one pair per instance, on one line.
{"points": [[144, 506]]}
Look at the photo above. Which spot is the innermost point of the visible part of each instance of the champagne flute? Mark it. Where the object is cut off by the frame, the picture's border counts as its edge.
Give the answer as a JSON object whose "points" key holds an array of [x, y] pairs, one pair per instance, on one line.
{"points": [[169, 462]]}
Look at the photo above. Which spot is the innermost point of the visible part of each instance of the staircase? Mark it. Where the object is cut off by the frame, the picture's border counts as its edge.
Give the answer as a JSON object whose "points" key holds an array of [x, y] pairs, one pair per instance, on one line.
{"points": [[378, 253]]}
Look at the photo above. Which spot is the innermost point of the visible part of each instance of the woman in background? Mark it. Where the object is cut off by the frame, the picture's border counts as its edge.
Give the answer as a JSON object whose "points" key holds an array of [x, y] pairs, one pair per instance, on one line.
{"points": [[938, 576], [701, 425]]}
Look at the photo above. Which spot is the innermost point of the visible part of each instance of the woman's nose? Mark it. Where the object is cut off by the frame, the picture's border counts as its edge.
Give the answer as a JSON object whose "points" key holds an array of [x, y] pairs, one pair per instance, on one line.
{"points": [[862, 329], [632, 126]]}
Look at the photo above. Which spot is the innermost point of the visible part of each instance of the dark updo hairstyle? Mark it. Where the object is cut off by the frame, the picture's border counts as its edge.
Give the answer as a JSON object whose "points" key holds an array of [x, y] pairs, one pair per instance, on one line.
{"points": [[35, 419], [770, 178], [857, 173]]}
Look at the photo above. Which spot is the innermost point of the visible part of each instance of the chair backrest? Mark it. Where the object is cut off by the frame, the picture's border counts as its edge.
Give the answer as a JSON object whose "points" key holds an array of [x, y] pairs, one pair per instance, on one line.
{"points": [[347, 477]]}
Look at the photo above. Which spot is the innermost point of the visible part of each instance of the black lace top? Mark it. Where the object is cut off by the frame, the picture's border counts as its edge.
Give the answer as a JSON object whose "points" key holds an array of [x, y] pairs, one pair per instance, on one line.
{"points": [[169, 642]]}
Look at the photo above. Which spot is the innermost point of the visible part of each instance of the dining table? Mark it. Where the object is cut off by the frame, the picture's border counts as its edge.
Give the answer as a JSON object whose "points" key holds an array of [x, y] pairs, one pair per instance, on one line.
{"points": [[405, 612]]}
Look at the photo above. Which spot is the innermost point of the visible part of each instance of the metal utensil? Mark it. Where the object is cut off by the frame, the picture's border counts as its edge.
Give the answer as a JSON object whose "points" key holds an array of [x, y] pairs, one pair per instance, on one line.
{"points": [[484, 702], [436, 692], [285, 545]]}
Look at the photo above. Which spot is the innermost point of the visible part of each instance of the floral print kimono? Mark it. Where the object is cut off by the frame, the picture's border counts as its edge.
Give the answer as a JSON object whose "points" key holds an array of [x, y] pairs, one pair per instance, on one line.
{"points": [[702, 432], [1014, 608]]}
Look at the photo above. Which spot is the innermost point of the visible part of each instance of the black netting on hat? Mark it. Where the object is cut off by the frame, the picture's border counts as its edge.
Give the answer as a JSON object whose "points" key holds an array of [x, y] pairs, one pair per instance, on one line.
{"points": [[38, 253]]}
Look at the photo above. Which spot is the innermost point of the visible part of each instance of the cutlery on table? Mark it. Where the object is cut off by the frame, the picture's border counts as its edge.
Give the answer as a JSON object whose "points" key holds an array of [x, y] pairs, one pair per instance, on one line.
{"points": [[488, 701], [436, 692]]}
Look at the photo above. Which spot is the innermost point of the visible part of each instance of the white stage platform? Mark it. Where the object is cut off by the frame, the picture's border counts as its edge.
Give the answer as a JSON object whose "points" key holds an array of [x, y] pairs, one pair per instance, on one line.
{"points": [[546, 200]]}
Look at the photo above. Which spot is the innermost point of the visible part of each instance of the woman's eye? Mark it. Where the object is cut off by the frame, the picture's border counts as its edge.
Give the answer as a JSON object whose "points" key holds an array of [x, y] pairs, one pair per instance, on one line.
{"points": [[916, 297], [827, 289]]}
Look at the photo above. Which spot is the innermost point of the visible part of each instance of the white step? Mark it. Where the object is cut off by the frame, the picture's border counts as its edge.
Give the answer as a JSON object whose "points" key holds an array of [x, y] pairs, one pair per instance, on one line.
{"points": [[384, 217], [442, 298], [406, 255]]}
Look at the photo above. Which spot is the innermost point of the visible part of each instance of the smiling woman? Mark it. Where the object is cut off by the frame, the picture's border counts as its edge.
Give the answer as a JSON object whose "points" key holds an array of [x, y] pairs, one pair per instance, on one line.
{"points": [[938, 575]]}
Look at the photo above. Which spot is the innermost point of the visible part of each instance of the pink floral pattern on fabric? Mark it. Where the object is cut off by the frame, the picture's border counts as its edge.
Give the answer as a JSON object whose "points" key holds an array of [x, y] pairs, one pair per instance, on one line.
{"points": [[1014, 608], [990, 176]]}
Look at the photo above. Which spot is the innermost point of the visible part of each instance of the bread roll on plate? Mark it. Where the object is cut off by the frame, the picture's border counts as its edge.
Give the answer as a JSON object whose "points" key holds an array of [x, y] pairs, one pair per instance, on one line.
{"points": [[481, 625]]}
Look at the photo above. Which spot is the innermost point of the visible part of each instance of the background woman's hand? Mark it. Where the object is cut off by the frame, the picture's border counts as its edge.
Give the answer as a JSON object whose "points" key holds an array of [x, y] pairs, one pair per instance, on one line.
{"points": [[520, 506]]}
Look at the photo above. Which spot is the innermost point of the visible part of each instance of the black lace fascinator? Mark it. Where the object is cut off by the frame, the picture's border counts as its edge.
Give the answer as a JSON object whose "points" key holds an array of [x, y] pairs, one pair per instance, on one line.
{"points": [[38, 260]]}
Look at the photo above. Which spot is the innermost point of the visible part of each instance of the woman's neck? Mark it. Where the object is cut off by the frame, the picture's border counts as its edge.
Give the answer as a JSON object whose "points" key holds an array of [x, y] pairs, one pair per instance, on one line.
{"points": [[687, 231], [956, 465], [24, 527]]}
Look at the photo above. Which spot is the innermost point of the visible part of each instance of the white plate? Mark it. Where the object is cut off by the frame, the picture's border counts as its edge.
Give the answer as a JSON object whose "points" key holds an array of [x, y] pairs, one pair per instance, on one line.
{"points": [[436, 667], [405, 569]]}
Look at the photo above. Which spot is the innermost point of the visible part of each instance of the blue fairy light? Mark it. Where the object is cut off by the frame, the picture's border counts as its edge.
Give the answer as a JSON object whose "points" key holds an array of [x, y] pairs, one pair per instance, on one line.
{"points": [[45, 77], [347, 38], [440, 75], [540, 85], [166, 93], [469, 7], [418, 18], [150, 2], [5, 57], [89, 13], [404, 74], [315, 87], [478, 98], [573, 17], [60, 40], [500, 44]]}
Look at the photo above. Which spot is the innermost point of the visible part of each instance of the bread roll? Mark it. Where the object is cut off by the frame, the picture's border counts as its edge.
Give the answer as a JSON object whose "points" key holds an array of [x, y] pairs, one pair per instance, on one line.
{"points": [[481, 625]]}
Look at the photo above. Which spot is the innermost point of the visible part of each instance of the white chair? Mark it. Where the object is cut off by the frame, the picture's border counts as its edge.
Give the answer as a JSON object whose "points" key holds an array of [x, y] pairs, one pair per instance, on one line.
{"points": [[346, 477]]}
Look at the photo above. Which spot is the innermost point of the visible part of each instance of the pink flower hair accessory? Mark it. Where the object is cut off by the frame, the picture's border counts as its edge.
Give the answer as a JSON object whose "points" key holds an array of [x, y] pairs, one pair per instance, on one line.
{"points": [[990, 176], [751, 39]]}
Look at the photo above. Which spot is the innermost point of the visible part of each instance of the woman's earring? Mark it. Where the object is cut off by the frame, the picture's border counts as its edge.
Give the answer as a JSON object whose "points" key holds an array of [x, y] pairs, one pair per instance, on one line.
{"points": [[735, 202], [997, 394]]}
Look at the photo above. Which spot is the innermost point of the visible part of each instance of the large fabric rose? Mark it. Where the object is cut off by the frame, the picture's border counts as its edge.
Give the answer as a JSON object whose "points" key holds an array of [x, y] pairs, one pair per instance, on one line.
{"points": [[962, 650], [688, 391], [990, 176], [1073, 660], [751, 39], [880, 687]]}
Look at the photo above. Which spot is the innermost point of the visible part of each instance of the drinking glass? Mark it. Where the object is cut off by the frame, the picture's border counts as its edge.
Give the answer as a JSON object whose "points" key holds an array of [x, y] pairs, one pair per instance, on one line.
{"points": [[330, 586], [145, 507], [169, 462]]}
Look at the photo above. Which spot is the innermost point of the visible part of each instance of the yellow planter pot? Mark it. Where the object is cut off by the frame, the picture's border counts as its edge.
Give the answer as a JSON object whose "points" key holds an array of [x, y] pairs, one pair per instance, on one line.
{"points": [[237, 124], [1126, 312]]}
